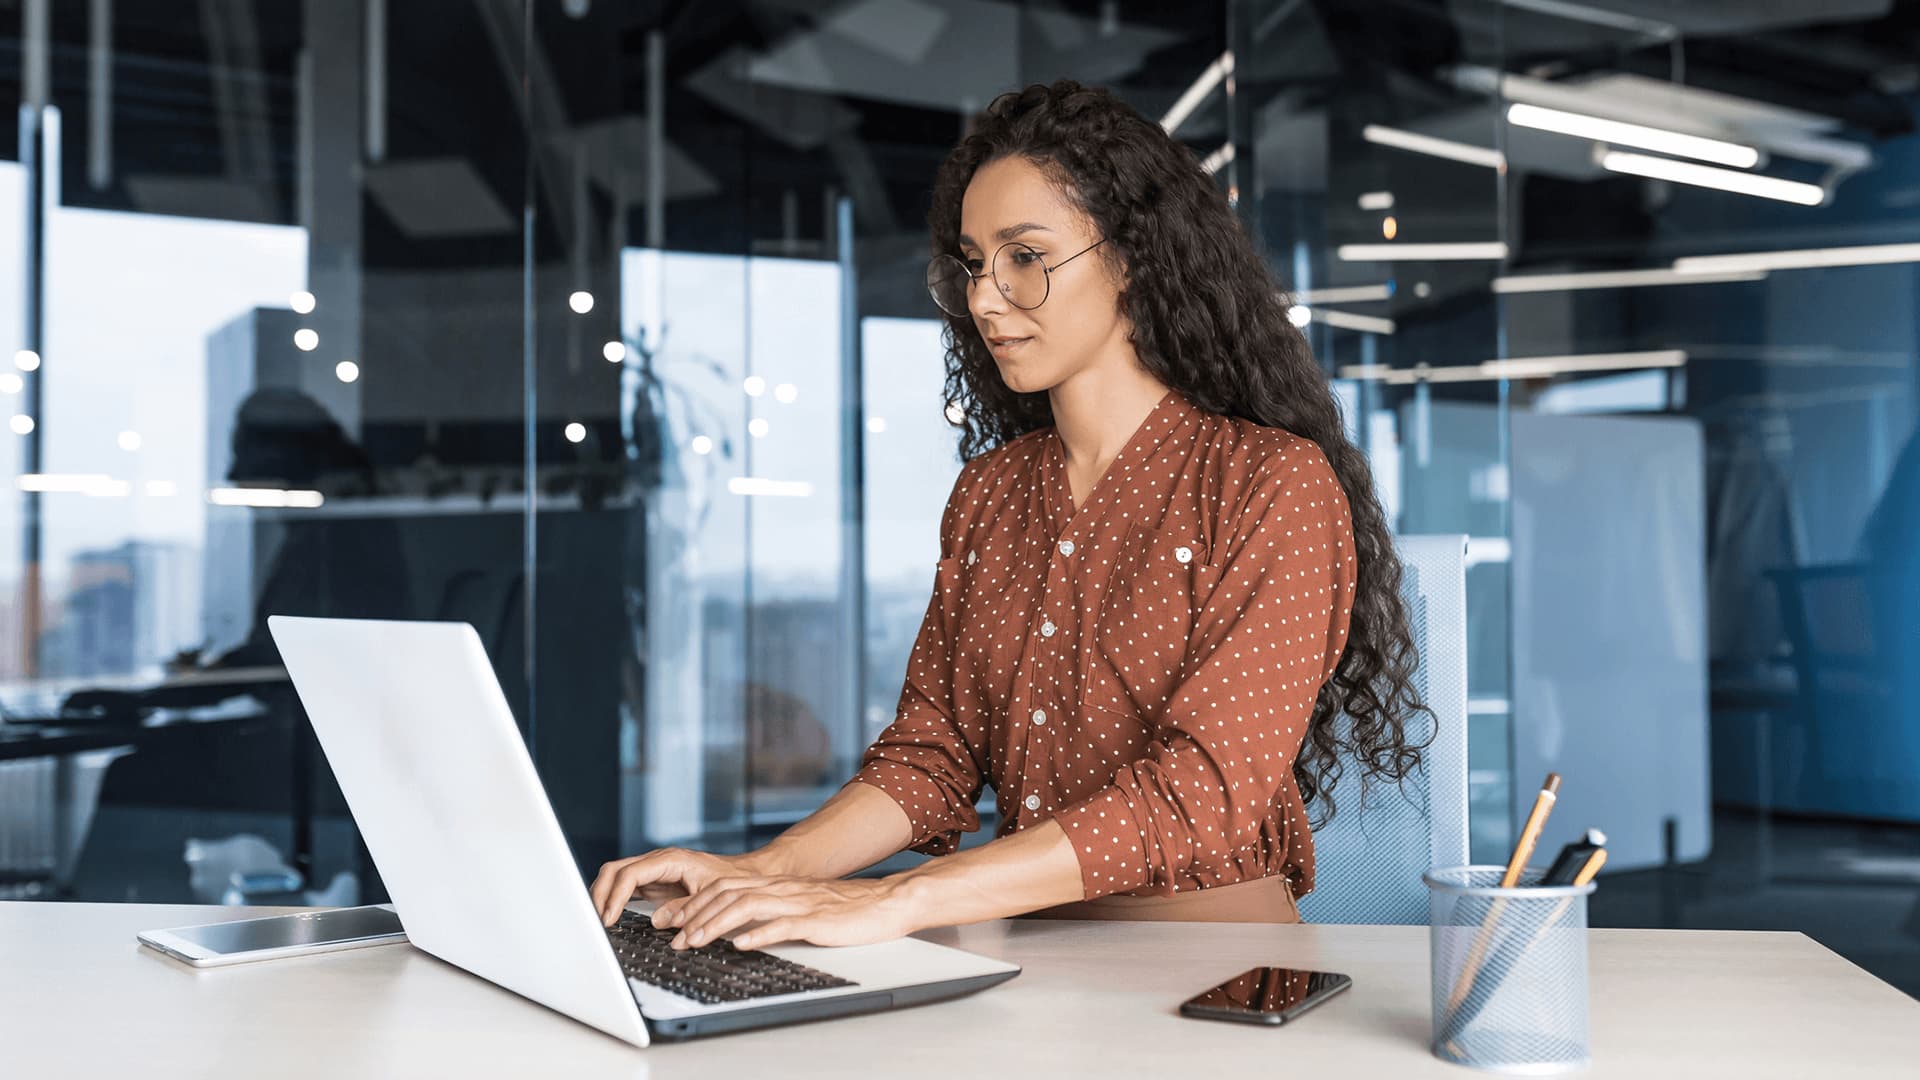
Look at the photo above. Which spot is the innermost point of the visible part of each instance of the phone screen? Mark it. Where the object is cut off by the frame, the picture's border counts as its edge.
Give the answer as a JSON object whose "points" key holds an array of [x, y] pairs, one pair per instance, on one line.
{"points": [[1266, 995]]}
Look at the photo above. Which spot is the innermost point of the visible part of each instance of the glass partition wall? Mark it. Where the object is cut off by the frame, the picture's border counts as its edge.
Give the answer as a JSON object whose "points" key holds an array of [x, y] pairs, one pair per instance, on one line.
{"points": [[1372, 176], [780, 363], [780, 412], [264, 356], [602, 327]]}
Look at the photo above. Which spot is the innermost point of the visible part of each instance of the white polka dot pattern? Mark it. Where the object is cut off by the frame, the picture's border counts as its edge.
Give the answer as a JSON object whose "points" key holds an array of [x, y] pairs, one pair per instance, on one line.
{"points": [[1139, 668]]}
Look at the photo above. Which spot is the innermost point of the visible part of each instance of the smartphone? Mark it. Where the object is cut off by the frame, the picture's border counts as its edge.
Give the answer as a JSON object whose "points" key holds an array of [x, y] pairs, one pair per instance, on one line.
{"points": [[1265, 995], [301, 934]]}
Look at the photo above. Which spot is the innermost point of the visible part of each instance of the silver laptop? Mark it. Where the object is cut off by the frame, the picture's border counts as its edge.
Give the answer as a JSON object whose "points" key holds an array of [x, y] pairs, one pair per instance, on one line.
{"points": [[426, 751]]}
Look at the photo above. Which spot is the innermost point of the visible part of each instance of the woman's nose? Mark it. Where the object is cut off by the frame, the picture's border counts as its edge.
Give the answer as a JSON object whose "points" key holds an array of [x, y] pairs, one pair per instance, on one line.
{"points": [[983, 296]]}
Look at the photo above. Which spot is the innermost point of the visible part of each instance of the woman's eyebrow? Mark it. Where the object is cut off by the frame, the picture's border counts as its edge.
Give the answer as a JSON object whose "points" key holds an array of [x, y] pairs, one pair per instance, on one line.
{"points": [[1007, 233]]}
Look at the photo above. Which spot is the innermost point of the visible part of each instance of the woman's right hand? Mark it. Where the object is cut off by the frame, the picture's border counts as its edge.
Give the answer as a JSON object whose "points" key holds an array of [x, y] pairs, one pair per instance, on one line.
{"points": [[665, 874]]}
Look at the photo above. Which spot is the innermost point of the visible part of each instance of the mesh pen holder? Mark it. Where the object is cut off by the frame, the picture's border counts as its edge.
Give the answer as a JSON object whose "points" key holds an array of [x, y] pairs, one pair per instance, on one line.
{"points": [[1509, 971]]}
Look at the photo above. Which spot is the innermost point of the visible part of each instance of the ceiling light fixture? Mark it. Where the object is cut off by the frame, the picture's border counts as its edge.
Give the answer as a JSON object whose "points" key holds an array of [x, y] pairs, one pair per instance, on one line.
{"points": [[1600, 129], [1614, 279], [1799, 259], [1197, 93], [1493, 250], [1686, 172], [1433, 146], [1528, 367], [1349, 294]]}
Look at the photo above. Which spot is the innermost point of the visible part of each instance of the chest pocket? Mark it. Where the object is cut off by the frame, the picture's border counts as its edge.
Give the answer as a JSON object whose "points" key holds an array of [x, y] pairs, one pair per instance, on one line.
{"points": [[1160, 579]]}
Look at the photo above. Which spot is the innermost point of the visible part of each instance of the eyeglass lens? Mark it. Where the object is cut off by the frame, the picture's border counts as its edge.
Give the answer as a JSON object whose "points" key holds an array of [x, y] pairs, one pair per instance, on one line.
{"points": [[1018, 272]]}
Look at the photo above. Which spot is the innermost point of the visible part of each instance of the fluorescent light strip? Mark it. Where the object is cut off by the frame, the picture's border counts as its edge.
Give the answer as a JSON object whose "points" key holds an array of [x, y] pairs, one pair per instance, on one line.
{"points": [[1799, 259], [1202, 86], [95, 484], [1580, 125], [1434, 147], [1376, 200], [754, 485], [1614, 279], [1377, 372], [1539, 367], [1494, 251], [1530, 367], [1216, 159], [1352, 294], [265, 498], [1347, 320], [1686, 172]]}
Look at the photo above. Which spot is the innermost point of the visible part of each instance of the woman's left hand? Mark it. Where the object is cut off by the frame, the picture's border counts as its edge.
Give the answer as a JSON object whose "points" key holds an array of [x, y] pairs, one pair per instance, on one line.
{"points": [[850, 911]]}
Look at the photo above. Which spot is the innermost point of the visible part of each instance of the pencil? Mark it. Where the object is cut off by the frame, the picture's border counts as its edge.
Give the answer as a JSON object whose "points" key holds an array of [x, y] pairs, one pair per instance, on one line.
{"points": [[1594, 862], [1530, 835], [1516, 865]]}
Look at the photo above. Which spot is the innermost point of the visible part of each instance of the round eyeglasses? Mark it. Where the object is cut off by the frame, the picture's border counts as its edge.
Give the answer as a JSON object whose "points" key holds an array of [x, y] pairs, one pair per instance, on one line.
{"points": [[1022, 277]]}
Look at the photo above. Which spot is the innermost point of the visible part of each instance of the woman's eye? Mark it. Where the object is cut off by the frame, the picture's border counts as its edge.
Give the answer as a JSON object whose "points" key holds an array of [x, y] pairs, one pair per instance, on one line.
{"points": [[973, 266], [1025, 258]]}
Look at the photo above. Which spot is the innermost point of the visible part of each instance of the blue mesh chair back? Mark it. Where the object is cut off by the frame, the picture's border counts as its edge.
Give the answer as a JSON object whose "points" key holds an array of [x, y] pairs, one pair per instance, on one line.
{"points": [[1369, 858]]}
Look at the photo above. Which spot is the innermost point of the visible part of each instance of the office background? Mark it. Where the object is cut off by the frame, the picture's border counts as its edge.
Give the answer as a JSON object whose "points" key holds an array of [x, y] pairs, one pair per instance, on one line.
{"points": [[602, 326]]}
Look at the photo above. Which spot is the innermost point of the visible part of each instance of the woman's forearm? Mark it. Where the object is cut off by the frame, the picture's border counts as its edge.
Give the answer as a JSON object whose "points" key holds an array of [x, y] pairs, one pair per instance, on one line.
{"points": [[857, 827], [1018, 873]]}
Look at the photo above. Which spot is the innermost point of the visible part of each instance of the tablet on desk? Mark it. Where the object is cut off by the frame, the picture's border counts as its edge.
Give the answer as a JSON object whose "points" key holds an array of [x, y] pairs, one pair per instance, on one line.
{"points": [[247, 940]]}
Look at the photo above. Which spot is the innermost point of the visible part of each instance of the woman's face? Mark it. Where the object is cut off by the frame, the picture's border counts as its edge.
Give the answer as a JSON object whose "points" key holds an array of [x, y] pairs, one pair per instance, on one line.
{"points": [[1037, 349]]}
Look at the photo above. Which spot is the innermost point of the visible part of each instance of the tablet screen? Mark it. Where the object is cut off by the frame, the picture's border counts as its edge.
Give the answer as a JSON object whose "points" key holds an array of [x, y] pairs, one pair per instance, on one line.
{"points": [[305, 928]]}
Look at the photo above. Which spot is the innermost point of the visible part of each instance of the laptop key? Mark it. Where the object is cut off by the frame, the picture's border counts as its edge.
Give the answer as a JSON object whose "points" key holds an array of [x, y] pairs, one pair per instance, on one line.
{"points": [[711, 974]]}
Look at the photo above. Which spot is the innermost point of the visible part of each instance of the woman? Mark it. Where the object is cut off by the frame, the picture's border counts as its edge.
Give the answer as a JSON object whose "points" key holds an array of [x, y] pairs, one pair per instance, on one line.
{"points": [[1164, 577]]}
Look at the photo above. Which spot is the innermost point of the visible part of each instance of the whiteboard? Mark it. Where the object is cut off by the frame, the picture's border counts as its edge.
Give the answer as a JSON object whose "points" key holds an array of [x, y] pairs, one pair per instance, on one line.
{"points": [[1609, 678]]}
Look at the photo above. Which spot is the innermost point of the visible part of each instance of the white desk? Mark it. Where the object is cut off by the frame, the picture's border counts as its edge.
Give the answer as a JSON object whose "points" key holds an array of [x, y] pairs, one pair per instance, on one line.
{"points": [[79, 999]]}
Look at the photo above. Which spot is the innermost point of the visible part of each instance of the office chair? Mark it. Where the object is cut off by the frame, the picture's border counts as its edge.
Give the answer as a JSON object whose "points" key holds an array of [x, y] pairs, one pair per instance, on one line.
{"points": [[46, 807], [1369, 858]]}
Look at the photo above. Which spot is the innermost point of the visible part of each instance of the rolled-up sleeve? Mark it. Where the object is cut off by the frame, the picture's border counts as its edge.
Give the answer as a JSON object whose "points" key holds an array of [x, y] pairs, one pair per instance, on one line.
{"points": [[923, 760], [1270, 633]]}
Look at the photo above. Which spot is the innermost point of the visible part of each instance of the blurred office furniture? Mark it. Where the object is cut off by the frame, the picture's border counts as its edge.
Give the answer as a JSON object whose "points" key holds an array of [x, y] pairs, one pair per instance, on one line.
{"points": [[1609, 630], [1098, 1000], [46, 806], [1369, 858], [1844, 744], [245, 869], [54, 763]]}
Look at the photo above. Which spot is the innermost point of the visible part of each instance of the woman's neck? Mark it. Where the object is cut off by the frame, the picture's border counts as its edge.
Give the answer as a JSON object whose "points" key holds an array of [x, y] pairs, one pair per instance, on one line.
{"points": [[1096, 412]]}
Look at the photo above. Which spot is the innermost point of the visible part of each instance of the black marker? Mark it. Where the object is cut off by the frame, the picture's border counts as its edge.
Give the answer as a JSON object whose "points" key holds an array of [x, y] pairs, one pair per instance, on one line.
{"points": [[1572, 857]]}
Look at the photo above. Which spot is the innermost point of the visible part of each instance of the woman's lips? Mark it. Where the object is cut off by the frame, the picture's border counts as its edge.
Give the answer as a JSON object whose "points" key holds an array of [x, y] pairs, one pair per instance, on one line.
{"points": [[1003, 347]]}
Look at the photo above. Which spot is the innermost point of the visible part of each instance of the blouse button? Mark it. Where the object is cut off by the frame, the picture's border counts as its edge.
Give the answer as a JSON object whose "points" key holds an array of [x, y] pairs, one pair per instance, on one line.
{"points": [[1066, 547], [1033, 802], [972, 557], [1184, 554], [1047, 628], [1039, 716]]}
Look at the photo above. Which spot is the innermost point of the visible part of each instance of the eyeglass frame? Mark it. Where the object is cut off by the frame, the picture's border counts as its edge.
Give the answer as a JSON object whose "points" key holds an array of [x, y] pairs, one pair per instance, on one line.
{"points": [[974, 279]]}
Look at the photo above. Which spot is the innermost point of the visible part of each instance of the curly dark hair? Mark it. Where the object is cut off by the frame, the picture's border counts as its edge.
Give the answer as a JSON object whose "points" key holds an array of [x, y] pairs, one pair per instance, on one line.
{"points": [[1208, 319]]}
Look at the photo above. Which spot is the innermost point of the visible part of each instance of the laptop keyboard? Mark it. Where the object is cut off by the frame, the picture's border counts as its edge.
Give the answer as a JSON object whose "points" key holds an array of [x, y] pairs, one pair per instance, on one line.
{"points": [[711, 974]]}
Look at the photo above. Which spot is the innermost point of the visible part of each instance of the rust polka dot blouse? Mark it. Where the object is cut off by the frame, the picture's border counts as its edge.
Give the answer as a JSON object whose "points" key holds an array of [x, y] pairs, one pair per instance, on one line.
{"points": [[1140, 670]]}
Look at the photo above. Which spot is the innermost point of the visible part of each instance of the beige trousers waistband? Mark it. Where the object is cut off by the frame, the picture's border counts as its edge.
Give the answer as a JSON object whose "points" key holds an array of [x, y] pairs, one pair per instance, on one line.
{"points": [[1262, 900]]}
